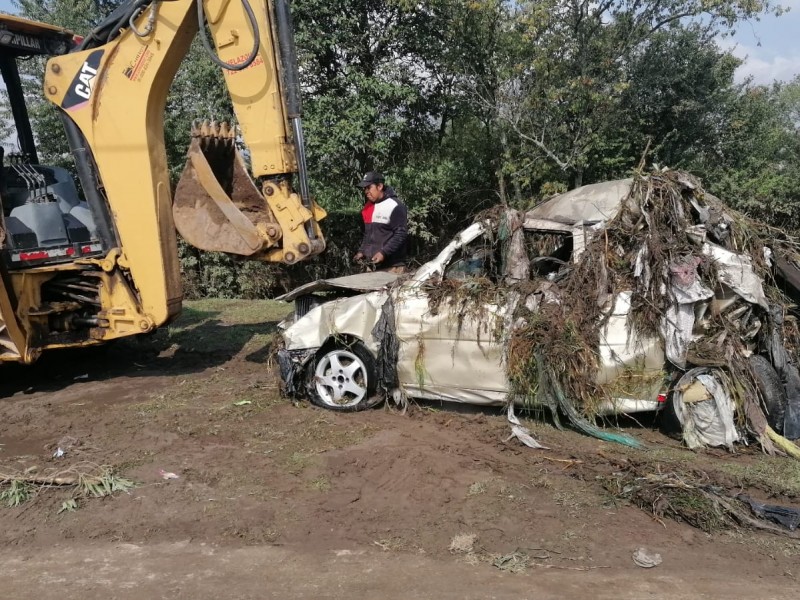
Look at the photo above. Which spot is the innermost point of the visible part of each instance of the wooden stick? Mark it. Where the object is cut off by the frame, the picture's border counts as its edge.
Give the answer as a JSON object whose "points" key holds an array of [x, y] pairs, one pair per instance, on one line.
{"points": [[544, 566], [564, 460], [39, 480]]}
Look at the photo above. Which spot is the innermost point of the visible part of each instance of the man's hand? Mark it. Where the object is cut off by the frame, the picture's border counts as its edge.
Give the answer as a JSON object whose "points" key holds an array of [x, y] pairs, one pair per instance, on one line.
{"points": [[358, 256], [378, 258]]}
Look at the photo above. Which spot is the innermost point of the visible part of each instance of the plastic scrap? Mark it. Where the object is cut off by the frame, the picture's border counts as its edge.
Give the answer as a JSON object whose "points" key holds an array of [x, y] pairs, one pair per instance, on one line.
{"points": [[678, 322], [167, 475], [784, 516], [385, 334], [736, 271], [577, 420], [523, 434], [59, 453], [646, 559], [705, 410], [791, 419]]}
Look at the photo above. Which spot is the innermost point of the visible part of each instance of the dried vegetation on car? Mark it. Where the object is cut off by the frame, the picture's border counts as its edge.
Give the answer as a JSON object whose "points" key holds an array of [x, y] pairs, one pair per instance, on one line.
{"points": [[663, 248]]}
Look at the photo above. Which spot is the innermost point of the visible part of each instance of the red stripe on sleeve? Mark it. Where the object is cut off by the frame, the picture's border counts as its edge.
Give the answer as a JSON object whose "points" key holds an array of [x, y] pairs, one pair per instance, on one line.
{"points": [[367, 212]]}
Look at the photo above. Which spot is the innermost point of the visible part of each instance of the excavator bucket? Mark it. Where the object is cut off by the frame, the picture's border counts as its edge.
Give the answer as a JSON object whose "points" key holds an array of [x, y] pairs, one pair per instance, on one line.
{"points": [[216, 205]]}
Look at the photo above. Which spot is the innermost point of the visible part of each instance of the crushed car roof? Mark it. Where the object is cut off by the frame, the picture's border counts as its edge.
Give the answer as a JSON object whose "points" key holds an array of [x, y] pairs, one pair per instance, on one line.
{"points": [[588, 204]]}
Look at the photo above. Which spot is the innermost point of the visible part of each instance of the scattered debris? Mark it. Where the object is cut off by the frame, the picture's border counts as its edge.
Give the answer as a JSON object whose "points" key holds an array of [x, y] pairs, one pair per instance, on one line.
{"points": [[568, 462], [521, 559], [87, 481], [243, 403], [81, 377], [523, 434], [64, 446], [168, 475], [692, 498], [646, 559], [463, 543], [516, 562]]}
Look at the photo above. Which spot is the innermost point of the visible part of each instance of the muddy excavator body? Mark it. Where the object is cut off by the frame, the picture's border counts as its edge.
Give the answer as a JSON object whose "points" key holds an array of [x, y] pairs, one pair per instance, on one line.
{"points": [[83, 268]]}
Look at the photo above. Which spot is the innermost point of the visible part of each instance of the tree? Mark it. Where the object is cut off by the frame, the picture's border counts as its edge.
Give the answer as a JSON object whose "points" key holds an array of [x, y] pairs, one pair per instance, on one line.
{"points": [[756, 163], [678, 88], [570, 78]]}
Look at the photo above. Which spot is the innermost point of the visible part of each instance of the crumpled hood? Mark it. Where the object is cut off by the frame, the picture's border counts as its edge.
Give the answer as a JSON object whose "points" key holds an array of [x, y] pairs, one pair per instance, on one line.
{"points": [[354, 316], [360, 282]]}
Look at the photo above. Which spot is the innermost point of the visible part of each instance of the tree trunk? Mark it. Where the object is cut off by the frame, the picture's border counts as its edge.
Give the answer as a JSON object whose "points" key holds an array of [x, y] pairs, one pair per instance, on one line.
{"points": [[501, 178], [577, 178]]}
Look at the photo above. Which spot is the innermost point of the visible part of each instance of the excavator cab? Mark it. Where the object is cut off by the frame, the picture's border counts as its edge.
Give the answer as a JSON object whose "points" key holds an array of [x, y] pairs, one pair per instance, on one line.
{"points": [[43, 219]]}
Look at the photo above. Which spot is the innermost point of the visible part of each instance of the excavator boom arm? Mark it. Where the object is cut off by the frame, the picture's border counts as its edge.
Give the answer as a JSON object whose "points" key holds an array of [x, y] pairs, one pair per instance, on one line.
{"points": [[113, 91]]}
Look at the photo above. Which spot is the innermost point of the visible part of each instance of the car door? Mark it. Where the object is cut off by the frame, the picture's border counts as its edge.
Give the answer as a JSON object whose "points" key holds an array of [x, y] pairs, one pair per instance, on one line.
{"points": [[450, 349]]}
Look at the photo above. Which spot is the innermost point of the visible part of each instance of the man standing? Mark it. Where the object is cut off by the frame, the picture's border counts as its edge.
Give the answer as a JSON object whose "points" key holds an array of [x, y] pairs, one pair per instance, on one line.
{"points": [[385, 225]]}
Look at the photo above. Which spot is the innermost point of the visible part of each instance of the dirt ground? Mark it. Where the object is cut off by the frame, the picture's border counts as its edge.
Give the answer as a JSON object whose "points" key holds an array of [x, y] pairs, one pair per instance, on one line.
{"points": [[276, 500]]}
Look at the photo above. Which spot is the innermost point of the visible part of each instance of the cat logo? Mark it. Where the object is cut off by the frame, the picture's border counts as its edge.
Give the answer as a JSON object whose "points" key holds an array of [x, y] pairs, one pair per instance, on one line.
{"points": [[80, 91], [85, 81]]}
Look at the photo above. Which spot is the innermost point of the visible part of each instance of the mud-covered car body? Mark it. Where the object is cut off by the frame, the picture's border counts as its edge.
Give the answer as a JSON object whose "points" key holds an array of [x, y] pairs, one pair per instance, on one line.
{"points": [[445, 355]]}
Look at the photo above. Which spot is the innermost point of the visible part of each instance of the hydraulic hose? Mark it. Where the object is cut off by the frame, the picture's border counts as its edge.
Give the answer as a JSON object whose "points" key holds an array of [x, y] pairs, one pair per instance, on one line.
{"points": [[201, 22]]}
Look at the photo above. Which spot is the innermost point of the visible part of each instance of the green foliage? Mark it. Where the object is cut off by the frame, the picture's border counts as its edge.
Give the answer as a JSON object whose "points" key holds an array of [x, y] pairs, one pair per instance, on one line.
{"points": [[15, 493], [217, 275], [677, 111], [104, 484], [757, 168], [379, 93], [70, 505]]}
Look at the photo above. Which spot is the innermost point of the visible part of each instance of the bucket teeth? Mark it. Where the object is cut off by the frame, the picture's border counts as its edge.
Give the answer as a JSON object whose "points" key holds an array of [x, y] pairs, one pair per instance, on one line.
{"points": [[213, 129]]}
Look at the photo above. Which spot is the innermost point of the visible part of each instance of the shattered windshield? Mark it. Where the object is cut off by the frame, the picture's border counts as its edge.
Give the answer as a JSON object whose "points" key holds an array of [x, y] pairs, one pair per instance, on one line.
{"points": [[478, 259], [548, 252]]}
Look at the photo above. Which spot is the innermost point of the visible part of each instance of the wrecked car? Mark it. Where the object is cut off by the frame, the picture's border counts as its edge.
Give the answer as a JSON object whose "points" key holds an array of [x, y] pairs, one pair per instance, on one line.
{"points": [[618, 297]]}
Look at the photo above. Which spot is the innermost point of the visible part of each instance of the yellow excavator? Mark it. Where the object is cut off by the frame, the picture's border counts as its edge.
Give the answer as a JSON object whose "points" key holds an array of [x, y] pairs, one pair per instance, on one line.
{"points": [[80, 269]]}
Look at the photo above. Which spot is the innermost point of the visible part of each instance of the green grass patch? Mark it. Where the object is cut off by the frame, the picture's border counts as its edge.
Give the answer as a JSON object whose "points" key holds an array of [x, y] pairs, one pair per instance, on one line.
{"points": [[321, 484], [15, 493], [233, 312], [220, 326], [777, 475]]}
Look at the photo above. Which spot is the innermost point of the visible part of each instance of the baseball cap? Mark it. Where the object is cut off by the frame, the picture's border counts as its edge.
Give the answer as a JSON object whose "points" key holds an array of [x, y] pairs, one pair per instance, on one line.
{"points": [[370, 178]]}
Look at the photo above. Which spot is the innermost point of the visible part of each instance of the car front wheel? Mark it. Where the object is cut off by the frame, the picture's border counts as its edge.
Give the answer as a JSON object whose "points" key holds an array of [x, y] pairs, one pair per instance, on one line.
{"points": [[343, 378]]}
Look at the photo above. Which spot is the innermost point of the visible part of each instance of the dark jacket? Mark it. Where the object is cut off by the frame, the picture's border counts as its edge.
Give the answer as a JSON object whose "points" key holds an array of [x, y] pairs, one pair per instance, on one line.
{"points": [[385, 229]]}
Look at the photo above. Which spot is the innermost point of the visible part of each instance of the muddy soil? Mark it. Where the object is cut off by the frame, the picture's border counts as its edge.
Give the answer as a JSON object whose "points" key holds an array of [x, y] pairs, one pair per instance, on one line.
{"points": [[327, 502]]}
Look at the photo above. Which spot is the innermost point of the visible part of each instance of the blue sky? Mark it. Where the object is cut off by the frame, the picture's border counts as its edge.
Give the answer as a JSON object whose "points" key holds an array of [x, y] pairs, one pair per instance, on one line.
{"points": [[770, 47]]}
